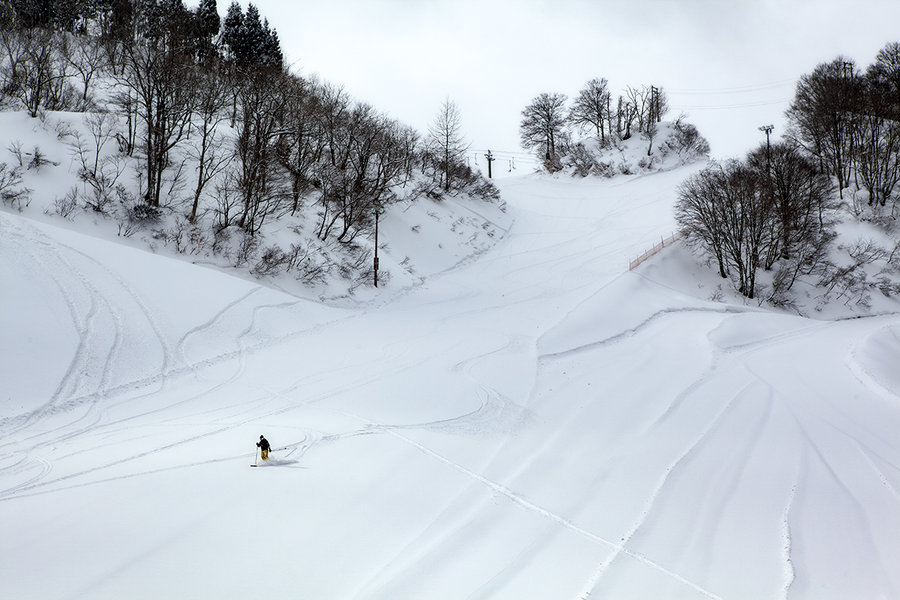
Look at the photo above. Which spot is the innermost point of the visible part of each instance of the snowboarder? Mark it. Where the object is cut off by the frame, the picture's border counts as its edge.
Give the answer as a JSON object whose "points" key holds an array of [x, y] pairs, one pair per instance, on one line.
{"points": [[263, 445]]}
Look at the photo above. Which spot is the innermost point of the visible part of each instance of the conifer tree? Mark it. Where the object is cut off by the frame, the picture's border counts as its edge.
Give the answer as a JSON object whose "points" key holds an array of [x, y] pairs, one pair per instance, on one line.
{"points": [[208, 24], [232, 28], [270, 54]]}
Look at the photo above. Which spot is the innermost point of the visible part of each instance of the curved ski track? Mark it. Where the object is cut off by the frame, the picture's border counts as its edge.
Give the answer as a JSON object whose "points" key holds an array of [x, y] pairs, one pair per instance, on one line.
{"points": [[631, 507]]}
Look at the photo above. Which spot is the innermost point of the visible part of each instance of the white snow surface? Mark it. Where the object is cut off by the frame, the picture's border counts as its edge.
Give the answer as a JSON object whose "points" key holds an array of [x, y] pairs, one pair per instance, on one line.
{"points": [[533, 423]]}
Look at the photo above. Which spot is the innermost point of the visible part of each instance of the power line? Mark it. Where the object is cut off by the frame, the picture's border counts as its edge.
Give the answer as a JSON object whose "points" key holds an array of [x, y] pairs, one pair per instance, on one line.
{"points": [[734, 90], [504, 153], [729, 106]]}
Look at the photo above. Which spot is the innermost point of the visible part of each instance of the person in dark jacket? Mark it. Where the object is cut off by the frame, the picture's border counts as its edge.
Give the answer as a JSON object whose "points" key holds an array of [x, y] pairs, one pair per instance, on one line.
{"points": [[263, 445]]}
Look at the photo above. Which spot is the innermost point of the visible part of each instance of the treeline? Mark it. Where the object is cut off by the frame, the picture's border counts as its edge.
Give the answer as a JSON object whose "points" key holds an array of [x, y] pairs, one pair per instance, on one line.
{"points": [[215, 127], [550, 124], [774, 210], [850, 121]]}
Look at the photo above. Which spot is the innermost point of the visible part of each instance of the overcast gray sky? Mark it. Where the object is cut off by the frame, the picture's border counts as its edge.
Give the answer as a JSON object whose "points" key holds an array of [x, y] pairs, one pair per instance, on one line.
{"points": [[731, 65]]}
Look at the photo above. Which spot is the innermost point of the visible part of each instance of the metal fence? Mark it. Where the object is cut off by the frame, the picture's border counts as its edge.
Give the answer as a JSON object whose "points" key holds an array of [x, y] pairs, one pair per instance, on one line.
{"points": [[663, 242]]}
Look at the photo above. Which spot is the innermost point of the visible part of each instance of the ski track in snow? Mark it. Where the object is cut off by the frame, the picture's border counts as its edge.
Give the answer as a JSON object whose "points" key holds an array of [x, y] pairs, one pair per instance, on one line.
{"points": [[645, 511], [523, 556], [714, 505], [94, 353], [787, 557], [521, 559], [864, 525], [101, 306], [620, 549], [52, 261], [74, 392]]}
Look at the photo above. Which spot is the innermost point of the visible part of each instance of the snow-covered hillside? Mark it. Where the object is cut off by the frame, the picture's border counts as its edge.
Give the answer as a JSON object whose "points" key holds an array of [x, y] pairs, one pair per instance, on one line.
{"points": [[422, 235], [536, 423]]}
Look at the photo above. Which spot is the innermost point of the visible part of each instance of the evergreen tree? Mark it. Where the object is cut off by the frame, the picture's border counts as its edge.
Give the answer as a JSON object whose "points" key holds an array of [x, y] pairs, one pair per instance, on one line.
{"points": [[33, 13], [208, 19], [232, 28], [270, 54], [249, 39], [115, 18], [206, 25], [166, 24]]}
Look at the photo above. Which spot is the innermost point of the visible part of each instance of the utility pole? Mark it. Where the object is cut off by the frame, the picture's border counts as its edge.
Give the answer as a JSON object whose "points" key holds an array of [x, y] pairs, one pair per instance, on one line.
{"points": [[377, 209], [490, 158], [848, 69], [769, 187], [767, 129]]}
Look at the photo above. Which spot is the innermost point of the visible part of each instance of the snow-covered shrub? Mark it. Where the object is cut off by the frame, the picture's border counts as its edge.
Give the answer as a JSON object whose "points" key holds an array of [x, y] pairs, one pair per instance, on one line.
{"points": [[272, 262], [66, 205], [686, 141], [12, 192], [15, 148], [246, 250], [583, 162], [38, 160], [847, 278], [185, 237]]}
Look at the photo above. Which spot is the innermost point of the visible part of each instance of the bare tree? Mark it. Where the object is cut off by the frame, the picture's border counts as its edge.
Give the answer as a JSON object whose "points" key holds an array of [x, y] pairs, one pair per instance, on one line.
{"points": [[876, 145], [158, 90], [626, 115], [699, 217], [35, 72], [207, 146], [543, 127], [591, 107], [102, 128], [259, 181], [7, 15], [368, 158], [822, 115], [725, 211], [885, 73], [651, 129], [13, 46], [87, 57], [446, 143], [799, 193], [60, 94], [640, 101], [300, 145], [877, 131], [409, 141]]}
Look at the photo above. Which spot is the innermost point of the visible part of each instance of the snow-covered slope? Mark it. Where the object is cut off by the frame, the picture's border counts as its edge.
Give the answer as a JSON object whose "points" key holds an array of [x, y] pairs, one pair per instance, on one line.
{"points": [[537, 423], [420, 234]]}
